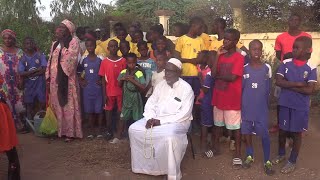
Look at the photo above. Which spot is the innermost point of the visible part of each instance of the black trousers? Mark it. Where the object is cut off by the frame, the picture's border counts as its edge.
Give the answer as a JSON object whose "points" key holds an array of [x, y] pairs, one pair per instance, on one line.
{"points": [[14, 164]]}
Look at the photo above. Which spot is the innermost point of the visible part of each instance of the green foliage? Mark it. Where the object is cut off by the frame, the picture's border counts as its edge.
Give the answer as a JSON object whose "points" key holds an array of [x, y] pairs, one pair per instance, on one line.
{"points": [[41, 32], [272, 15], [20, 9]]}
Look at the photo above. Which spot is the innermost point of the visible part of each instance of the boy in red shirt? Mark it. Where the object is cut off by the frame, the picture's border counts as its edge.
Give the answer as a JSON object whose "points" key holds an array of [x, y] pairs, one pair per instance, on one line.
{"points": [[227, 91], [110, 69]]}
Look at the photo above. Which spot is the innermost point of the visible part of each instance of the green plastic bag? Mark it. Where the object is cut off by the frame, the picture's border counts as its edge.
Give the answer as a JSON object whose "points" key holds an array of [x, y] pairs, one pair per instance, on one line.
{"points": [[49, 125]]}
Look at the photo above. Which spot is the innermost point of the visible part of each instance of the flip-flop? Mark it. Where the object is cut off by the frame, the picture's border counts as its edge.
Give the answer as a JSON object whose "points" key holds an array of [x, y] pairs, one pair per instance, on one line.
{"points": [[90, 136], [236, 163], [114, 141], [209, 154], [67, 140], [99, 136]]}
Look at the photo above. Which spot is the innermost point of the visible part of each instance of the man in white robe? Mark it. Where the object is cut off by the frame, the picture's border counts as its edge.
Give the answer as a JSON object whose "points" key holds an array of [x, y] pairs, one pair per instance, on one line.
{"points": [[159, 141]]}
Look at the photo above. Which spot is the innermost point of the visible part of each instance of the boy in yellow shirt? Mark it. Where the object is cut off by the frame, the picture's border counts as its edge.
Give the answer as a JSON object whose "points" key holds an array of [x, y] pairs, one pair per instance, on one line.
{"points": [[190, 50]]}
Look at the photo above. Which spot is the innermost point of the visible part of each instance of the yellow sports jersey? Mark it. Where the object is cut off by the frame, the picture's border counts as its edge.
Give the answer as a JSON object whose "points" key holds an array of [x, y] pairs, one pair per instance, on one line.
{"points": [[189, 48], [134, 48], [105, 43], [206, 39], [128, 38], [216, 44], [98, 42], [99, 52]]}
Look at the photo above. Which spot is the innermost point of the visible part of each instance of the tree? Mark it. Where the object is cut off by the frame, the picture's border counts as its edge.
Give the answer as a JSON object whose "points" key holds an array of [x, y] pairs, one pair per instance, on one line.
{"points": [[22, 10], [81, 12]]}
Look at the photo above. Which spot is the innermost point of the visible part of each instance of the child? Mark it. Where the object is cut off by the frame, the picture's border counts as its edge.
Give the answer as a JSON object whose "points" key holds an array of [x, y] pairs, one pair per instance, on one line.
{"points": [[92, 87], [110, 69], [255, 101], [124, 48], [189, 49], [180, 29], [206, 108], [8, 138], [158, 76], [227, 92], [147, 64], [162, 47], [32, 67], [297, 79], [132, 82]]}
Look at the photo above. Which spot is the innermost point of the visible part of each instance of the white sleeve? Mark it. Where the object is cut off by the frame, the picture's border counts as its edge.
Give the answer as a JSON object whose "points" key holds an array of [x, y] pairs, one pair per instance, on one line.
{"points": [[150, 107]]}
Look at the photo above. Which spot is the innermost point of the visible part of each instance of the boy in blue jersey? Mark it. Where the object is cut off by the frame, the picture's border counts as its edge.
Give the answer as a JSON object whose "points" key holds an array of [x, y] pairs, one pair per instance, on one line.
{"points": [[255, 101], [32, 67], [207, 112], [297, 79]]}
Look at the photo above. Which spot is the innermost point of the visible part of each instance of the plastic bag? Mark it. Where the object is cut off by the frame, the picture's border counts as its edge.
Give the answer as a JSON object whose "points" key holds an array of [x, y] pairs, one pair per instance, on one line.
{"points": [[49, 125]]}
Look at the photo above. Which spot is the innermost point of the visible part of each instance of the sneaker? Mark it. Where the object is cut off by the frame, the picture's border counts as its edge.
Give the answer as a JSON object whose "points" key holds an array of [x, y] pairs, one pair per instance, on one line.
{"points": [[232, 145], [247, 163], [268, 168], [278, 160], [288, 168]]}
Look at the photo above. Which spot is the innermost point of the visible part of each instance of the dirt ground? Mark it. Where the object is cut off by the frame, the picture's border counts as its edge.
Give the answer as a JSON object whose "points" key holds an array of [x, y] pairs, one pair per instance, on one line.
{"points": [[42, 159]]}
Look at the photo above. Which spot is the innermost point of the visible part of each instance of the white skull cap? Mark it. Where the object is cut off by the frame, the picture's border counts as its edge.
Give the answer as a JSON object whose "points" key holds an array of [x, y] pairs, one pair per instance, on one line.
{"points": [[176, 62]]}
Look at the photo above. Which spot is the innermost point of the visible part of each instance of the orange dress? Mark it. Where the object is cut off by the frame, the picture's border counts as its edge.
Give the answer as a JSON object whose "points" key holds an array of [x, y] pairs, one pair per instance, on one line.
{"points": [[8, 137]]}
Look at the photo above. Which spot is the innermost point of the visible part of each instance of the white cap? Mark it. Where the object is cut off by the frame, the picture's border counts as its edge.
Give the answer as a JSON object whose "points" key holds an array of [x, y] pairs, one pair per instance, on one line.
{"points": [[176, 62], [97, 29]]}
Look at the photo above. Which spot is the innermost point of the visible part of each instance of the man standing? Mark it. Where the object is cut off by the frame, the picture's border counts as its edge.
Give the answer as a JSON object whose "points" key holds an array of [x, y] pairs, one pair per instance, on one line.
{"points": [[159, 141]]}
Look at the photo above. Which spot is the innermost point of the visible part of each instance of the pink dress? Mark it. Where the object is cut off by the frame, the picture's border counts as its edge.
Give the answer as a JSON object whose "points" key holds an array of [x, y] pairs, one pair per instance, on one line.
{"points": [[68, 117]]}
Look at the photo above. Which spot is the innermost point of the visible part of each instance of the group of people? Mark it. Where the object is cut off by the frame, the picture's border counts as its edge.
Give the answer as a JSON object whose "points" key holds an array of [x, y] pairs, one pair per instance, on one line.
{"points": [[153, 89]]}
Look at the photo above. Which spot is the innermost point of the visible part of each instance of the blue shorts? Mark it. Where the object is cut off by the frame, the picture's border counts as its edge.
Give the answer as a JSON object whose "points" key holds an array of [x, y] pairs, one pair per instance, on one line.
{"points": [[252, 127], [293, 120], [30, 96], [92, 105], [194, 82], [207, 116]]}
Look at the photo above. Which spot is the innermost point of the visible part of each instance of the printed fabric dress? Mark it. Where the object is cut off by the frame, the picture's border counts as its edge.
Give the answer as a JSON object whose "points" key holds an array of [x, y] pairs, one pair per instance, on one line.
{"points": [[9, 88], [68, 116]]}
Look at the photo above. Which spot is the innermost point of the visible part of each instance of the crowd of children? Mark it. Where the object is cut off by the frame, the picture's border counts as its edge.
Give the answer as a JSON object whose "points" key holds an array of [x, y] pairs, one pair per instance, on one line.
{"points": [[231, 84]]}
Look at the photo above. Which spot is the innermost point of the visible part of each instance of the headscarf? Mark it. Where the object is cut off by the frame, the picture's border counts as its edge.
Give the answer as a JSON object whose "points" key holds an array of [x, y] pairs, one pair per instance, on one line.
{"points": [[9, 32], [71, 27]]}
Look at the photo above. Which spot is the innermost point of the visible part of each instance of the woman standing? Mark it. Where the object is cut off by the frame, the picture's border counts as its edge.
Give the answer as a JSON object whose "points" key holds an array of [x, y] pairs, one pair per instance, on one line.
{"points": [[9, 60], [63, 84]]}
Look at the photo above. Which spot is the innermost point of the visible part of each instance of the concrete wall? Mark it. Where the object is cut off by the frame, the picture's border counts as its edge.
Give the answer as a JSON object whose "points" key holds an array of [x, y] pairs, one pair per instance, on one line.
{"points": [[268, 40]]}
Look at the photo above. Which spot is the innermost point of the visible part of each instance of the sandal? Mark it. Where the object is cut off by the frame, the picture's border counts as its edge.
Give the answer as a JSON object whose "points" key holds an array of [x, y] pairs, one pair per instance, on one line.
{"points": [[278, 160], [90, 136], [288, 168], [99, 136], [67, 140], [236, 163], [114, 141], [209, 154]]}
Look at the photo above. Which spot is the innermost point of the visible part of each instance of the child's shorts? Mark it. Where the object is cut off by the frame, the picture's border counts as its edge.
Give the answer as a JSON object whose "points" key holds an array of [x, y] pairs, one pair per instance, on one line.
{"points": [[293, 120], [229, 118], [252, 127], [112, 101], [194, 82], [130, 114], [207, 116], [93, 105], [29, 96]]}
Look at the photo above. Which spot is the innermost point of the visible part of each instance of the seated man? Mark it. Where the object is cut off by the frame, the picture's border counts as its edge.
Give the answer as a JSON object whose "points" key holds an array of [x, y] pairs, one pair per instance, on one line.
{"points": [[159, 141]]}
